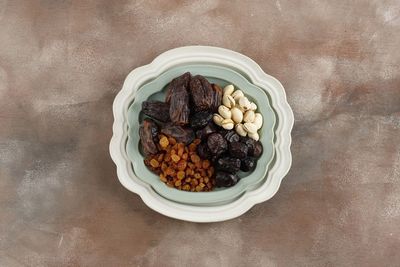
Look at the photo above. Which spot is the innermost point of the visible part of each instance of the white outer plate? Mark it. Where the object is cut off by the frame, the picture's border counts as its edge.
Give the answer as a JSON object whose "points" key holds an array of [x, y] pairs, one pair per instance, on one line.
{"points": [[206, 55]]}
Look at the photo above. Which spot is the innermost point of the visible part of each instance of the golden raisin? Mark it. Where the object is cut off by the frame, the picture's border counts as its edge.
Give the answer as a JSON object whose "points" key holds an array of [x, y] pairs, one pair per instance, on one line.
{"points": [[185, 156], [198, 164], [206, 164], [175, 158], [180, 151], [194, 158], [202, 185], [181, 165], [154, 163], [163, 178], [169, 171], [164, 142], [178, 183], [164, 166], [180, 175], [186, 187], [199, 188], [192, 147], [197, 175]]}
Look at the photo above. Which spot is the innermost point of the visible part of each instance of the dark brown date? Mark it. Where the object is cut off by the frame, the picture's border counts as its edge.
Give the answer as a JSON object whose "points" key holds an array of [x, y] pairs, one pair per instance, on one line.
{"points": [[258, 149], [181, 134], [231, 136], [216, 97], [200, 119], [203, 152], [157, 110], [248, 164], [216, 144], [238, 150], [201, 92], [228, 164], [179, 106], [180, 81], [147, 132], [225, 179], [209, 129]]}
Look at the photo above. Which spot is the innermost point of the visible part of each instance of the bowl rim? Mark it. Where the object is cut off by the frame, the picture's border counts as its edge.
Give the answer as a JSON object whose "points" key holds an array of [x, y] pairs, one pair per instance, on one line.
{"points": [[202, 198], [194, 54]]}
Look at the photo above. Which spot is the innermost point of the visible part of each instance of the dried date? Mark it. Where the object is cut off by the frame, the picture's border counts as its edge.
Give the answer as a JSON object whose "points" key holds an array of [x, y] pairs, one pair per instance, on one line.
{"points": [[157, 110], [225, 179], [216, 97], [200, 119], [179, 106], [181, 134], [258, 149], [209, 129], [147, 132], [180, 81], [228, 164], [248, 164], [238, 150], [203, 151], [231, 136], [216, 144], [201, 92]]}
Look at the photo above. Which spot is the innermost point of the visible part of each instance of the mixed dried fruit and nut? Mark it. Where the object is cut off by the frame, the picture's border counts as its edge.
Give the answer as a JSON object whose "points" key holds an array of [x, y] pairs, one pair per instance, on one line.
{"points": [[201, 136]]}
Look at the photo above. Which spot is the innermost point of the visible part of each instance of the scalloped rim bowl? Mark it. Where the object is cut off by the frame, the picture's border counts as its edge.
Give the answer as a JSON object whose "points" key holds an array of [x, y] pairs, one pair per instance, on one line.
{"points": [[222, 76], [202, 55]]}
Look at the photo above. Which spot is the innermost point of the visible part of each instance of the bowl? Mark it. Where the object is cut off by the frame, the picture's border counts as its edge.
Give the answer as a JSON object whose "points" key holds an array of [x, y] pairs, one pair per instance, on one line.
{"points": [[211, 56], [156, 89]]}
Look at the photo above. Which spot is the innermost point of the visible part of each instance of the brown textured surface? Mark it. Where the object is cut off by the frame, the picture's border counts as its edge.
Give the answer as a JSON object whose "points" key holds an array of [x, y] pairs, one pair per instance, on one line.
{"points": [[62, 63]]}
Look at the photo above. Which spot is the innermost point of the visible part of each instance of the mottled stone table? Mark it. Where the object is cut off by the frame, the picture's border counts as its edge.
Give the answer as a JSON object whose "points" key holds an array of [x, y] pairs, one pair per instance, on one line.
{"points": [[62, 63]]}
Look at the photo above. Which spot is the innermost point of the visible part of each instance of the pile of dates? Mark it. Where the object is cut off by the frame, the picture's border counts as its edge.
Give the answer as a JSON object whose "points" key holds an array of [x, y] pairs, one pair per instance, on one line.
{"points": [[186, 114], [229, 152]]}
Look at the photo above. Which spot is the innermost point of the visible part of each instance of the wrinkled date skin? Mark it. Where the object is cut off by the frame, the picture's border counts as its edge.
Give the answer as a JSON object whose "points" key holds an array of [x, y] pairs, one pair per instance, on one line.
{"points": [[216, 97], [228, 164], [180, 81], [157, 110], [225, 179], [231, 136], [258, 149], [216, 144], [238, 150], [202, 151], [209, 129], [179, 106], [200, 119], [148, 131], [248, 164], [181, 134], [202, 93]]}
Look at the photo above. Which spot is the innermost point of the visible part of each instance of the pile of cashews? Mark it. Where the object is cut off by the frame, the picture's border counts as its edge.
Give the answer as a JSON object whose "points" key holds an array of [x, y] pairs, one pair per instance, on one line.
{"points": [[238, 112]]}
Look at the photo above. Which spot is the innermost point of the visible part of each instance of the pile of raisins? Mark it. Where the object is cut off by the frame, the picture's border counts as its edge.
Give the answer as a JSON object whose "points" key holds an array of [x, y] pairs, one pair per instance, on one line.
{"points": [[186, 114]]}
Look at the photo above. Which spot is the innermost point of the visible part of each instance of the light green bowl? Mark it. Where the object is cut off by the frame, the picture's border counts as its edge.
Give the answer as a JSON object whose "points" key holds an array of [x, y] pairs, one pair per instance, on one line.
{"points": [[155, 90]]}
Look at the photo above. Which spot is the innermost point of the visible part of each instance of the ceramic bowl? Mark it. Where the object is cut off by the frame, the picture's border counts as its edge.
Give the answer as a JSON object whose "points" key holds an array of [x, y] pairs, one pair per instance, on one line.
{"points": [[155, 90], [211, 56]]}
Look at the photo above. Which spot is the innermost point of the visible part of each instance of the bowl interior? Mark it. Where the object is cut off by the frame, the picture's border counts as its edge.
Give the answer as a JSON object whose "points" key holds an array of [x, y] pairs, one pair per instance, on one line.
{"points": [[155, 90]]}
